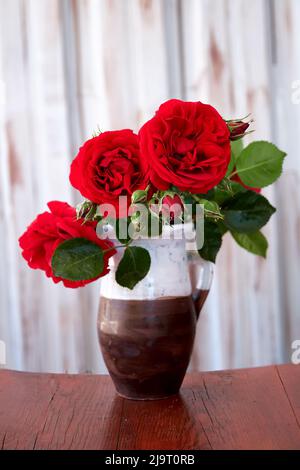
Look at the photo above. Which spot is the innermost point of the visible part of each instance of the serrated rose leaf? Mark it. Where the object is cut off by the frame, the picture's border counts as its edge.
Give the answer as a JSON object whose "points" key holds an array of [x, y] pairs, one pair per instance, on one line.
{"points": [[236, 148], [260, 164], [212, 241], [255, 243], [247, 212], [77, 259], [133, 267]]}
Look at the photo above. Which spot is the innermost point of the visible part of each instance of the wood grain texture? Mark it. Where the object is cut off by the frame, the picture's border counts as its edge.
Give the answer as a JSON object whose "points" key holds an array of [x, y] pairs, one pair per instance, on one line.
{"points": [[36, 145], [58, 412], [242, 409]]}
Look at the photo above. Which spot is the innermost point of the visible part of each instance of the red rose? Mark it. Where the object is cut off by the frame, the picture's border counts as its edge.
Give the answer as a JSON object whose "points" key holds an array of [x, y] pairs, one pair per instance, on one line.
{"points": [[109, 166], [186, 145], [50, 229]]}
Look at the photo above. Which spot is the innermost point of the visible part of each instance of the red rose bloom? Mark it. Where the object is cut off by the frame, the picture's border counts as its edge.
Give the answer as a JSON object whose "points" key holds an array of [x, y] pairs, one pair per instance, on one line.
{"points": [[108, 166], [50, 229], [186, 145]]}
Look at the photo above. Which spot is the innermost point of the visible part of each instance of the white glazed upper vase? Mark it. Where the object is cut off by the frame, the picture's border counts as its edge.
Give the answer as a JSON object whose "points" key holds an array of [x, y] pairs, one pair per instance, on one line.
{"points": [[174, 271]]}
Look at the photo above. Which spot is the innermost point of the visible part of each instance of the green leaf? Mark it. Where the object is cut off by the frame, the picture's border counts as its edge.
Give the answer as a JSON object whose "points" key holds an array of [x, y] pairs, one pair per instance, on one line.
{"points": [[77, 259], [210, 206], [260, 164], [254, 242], [212, 241], [222, 227], [236, 148], [247, 212], [133, 266], [211, 209]]}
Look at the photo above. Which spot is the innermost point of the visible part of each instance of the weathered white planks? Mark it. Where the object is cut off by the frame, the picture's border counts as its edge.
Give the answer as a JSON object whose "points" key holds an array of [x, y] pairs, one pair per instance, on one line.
{"points": [[121, 76], [286, 113], [35, 130], [227, 64], [10, 318], [67, 67], [121, 61]]}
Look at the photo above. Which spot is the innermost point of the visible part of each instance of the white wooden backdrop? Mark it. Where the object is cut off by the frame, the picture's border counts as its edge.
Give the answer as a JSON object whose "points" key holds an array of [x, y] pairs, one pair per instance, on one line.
{"points": [[67, 66]]}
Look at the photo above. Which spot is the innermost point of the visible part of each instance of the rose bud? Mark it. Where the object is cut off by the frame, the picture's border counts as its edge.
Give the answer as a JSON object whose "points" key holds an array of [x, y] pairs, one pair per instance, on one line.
{"points": [[86, 210], [140, 195], [172, 206], [237, 129]]}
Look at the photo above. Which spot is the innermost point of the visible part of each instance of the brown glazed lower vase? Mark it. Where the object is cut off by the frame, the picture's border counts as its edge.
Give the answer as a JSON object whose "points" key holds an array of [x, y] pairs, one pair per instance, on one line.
{"points": [[147, 344]]}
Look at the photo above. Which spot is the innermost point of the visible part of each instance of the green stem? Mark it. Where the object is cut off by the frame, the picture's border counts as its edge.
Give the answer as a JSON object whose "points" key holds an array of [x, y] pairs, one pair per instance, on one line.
{"points": [[215, 214], [232, 174], [116, 247], [197, 198]]}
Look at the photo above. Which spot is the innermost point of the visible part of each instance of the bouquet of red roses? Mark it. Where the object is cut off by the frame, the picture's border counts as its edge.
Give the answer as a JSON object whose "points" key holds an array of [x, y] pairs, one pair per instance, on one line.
{"points": [[186, 155]]}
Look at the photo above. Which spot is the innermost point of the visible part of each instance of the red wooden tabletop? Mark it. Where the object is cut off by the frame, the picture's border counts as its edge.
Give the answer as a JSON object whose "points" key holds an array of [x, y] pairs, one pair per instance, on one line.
{"points": [[240, 409]]}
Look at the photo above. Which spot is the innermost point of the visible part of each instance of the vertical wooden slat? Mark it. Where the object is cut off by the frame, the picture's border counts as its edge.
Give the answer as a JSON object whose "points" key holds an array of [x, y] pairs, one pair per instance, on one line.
{"points": [[121, 73], [35, 126], [122, 65], [286, 124], [10, 318], [227, 66], [174, 47]]}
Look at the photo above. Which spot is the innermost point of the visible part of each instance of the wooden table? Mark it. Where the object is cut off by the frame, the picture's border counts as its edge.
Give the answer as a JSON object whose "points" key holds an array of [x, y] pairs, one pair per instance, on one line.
{"points": [[240, 409]]}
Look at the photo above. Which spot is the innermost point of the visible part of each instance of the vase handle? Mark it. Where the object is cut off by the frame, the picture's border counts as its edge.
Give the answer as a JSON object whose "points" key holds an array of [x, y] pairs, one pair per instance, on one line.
{"points": [[201, 273]]}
